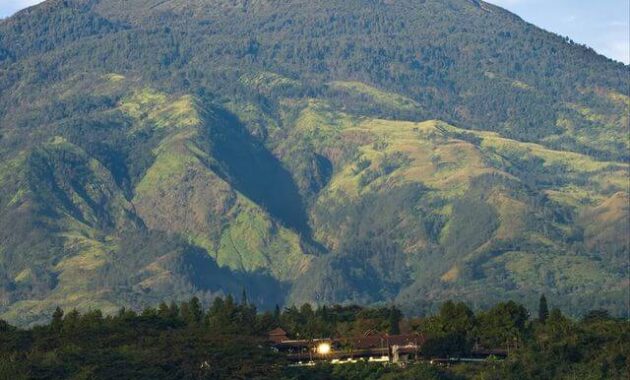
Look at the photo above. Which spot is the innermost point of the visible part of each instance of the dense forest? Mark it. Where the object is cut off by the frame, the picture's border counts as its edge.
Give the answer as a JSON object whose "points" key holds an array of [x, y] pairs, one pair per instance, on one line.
{"points": [[332, 152], [228, 340]]}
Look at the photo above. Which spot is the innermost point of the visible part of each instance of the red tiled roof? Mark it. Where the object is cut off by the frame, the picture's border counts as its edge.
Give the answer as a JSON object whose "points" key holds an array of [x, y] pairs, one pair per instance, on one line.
{"points": [[277, 331]]}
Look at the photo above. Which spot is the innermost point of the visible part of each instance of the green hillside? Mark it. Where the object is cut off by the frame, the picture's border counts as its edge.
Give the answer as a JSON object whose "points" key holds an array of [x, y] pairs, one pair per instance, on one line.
{"points": [[358, 151]]}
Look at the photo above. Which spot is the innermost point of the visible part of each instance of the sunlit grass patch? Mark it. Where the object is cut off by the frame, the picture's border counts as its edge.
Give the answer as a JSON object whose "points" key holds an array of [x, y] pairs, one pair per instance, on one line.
{"points": [[565, 272], [114, 77], [266, 81], [380, 97], [154, 109], [252, 241]]}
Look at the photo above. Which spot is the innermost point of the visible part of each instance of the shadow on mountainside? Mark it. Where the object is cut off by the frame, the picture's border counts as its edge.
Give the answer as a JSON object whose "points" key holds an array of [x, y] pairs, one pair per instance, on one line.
{"points": [[262, 289], [256, 173]]}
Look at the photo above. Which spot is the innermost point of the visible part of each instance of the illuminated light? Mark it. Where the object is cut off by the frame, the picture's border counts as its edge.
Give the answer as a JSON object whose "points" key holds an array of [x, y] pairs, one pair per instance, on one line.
{"points": [[323, 348]]}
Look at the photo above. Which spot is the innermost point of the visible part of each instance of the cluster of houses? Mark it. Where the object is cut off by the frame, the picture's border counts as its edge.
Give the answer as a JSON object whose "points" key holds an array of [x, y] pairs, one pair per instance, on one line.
{"points": [[372, 347]]}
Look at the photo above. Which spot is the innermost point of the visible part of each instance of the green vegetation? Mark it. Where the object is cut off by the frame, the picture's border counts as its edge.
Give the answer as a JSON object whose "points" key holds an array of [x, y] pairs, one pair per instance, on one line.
{"points": [[326, 151], [227, 339], [387, 101], [254, 242], [269, 82]]}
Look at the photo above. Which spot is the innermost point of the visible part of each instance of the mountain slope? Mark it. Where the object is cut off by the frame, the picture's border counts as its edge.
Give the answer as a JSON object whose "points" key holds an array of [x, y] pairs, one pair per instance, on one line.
{"points": [[325, 151]]}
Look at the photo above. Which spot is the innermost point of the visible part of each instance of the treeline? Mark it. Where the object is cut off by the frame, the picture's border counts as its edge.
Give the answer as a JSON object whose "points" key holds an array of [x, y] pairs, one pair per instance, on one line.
{"points": [[227, 340]]}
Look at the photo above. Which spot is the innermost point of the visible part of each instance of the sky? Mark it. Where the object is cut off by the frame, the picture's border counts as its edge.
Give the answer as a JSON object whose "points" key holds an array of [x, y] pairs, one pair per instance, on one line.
{"points": [[603, 25]]}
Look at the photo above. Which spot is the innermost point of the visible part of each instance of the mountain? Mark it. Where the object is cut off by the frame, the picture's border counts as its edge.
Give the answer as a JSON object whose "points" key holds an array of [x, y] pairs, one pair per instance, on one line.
{"points": [[341, 151]]}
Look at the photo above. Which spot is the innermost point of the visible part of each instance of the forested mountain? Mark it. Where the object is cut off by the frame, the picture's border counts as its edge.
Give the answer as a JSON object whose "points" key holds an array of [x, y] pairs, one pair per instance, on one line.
{"points": [[340, 151]]}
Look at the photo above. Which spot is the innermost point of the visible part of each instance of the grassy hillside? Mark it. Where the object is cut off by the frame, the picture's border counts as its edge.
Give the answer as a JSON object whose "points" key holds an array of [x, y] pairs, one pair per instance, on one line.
{"points": [[458, 208]]}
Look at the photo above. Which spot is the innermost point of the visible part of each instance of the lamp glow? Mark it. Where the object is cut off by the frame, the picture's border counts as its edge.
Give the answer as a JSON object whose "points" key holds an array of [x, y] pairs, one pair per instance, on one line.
{"points": [[323, 348]]}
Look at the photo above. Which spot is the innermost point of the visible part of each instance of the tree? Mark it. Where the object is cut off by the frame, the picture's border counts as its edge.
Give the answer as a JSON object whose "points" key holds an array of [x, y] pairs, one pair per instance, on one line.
{"points": [[503, 325], [5, 326], [456, 318], [596, 315], [449, 332], [174, 310], [276, 313], [395, 315], [163, 310], [543, 309], [446, 346], [192, 312], [244, 297], [71, 320], [57, 320]]}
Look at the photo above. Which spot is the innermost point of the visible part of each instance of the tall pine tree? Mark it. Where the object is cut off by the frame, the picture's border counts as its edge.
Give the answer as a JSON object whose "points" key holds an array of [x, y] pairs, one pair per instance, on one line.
{"points": [[395, 316], [543, 309], [57, 320]]}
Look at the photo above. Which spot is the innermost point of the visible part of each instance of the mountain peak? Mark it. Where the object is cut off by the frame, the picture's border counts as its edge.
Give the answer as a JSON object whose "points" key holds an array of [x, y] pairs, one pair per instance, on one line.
{"points": [[332, 151]]}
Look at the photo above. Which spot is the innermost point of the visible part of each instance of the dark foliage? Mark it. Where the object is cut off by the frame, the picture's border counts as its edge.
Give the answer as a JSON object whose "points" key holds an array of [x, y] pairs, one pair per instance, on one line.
{"points": [[227, 341]]}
